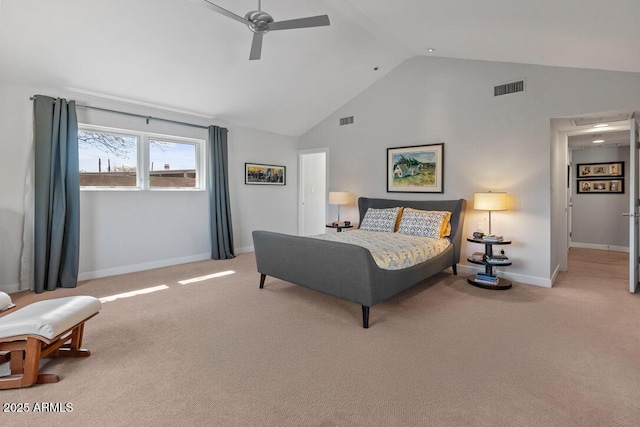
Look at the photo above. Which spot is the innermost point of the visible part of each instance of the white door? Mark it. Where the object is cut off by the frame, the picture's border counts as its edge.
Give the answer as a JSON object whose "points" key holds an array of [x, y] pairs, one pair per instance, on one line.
{"points": [[634, 212], [313, 192]]}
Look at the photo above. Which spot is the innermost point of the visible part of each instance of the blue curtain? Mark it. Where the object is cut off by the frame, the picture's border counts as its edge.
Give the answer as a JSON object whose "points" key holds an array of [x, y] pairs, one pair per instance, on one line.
{"points": [[56, 194], [218, 180]]}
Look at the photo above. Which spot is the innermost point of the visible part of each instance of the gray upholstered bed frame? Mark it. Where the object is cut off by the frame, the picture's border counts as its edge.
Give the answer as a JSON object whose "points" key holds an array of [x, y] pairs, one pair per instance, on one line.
{"points": [[348, 271]]}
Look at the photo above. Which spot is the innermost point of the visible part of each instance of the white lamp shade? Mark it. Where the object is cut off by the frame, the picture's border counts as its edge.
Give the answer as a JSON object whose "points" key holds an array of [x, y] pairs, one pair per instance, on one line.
{"points": [[339, 198], [490, 201]]}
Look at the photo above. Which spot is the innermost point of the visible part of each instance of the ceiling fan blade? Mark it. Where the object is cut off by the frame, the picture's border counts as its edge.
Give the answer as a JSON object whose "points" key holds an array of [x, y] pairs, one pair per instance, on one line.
{"points": [[256, 47], [313, 21], [225, 12]]}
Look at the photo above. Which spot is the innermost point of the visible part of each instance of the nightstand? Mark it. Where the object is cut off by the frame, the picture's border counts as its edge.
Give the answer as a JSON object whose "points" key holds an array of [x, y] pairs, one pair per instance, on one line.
{"points": [[339, 227], [488, 265]]}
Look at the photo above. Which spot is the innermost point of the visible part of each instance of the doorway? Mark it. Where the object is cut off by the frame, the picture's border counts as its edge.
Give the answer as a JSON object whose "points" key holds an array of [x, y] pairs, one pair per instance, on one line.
{"points": [[616, 128], [312, 198], [598, 198]]}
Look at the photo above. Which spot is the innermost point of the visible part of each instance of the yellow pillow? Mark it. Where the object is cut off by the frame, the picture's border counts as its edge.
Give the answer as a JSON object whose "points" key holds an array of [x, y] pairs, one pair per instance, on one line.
{"points": [[397, 226]]}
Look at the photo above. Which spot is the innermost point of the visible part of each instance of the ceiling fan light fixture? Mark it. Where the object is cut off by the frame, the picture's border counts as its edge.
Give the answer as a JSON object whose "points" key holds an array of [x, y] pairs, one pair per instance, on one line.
{"points": [[258, 21]]}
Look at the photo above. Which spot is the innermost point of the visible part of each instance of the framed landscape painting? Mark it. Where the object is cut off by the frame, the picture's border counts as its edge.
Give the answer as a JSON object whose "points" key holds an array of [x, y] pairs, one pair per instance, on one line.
{"points": [[255, 173], [415, 169]]}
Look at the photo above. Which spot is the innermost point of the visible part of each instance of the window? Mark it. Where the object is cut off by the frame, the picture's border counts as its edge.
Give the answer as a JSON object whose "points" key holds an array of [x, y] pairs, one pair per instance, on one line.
{"points": [[107, 159], [120, 159], [172, 164]]}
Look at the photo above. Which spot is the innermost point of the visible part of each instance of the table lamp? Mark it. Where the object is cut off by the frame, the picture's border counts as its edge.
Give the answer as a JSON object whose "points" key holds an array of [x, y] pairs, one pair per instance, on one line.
{"points": [[339, 198], [490, 202]]}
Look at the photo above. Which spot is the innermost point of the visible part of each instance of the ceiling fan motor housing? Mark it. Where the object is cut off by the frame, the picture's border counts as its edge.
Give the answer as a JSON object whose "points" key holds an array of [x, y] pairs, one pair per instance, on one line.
{"points": [[259, 21]]}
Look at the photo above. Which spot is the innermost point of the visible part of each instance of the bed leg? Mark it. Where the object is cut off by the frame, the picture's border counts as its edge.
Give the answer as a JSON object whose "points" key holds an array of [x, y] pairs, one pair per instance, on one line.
{"points": [[365, 317], [262, 277], [454, 267]]}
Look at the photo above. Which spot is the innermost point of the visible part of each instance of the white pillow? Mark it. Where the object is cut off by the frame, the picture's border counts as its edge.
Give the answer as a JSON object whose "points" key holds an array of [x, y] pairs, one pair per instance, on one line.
{"points": [[423, 223], [383, 220]]}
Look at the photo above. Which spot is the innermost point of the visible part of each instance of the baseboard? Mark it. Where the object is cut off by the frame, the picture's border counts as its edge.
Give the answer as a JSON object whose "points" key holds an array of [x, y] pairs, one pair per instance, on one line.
{"points": [[554, 276], [141, 267], [244, 250], [467, 269], [600, 247], [10, 289]]}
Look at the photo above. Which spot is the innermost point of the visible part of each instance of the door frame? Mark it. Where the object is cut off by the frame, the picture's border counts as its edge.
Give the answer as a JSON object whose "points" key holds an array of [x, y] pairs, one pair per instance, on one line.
{"points": [[634, 205], [564, 140]]}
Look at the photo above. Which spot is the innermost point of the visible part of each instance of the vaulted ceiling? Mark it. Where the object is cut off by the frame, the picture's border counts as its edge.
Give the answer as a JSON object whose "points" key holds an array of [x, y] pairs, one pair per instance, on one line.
{"points": [[179, 55]]}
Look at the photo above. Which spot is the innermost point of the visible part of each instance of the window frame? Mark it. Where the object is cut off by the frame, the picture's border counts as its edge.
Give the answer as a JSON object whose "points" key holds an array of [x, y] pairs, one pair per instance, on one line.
{"points": [[143, 159]]}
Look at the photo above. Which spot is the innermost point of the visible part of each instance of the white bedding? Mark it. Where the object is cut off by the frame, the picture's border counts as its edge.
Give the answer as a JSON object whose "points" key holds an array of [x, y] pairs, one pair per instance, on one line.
{"points": [[391, 251]]}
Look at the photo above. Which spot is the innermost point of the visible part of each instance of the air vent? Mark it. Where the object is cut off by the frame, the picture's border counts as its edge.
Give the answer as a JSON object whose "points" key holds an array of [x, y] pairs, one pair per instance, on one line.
{"points": [[346, 120], [584, 121], [508, 88]]}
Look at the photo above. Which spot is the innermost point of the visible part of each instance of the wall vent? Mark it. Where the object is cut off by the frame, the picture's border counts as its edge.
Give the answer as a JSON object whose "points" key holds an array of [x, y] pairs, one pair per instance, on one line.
{"points": [[585, 121], [346, 120], [508, 88]]}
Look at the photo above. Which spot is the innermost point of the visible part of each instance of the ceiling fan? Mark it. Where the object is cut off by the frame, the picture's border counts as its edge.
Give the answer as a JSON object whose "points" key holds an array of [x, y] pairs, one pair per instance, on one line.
{"points": [[261, 23]]}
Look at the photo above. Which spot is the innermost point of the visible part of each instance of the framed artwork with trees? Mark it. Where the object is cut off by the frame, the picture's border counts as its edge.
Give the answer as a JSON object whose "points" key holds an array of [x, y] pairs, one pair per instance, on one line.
{"points": [[416, 169]]}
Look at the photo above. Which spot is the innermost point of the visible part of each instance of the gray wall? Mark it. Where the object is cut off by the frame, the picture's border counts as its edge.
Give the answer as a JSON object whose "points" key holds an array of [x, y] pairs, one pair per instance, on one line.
{"points": [[125, 231], [499, 144], [596, 219]]}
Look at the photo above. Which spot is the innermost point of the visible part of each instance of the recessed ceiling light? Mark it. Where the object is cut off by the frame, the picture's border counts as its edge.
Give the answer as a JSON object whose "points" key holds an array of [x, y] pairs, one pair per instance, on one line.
{"points": [[601, 125], [598, 141], [431, 50], [375, 68]]}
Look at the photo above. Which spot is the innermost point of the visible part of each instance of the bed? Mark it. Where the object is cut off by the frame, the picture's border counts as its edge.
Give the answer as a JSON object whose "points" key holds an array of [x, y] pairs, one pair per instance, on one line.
{"points": [[349, 271]]}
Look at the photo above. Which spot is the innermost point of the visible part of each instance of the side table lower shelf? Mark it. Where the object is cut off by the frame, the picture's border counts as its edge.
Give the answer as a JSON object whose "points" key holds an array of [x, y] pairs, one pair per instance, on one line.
{"points": [[502, 284]]}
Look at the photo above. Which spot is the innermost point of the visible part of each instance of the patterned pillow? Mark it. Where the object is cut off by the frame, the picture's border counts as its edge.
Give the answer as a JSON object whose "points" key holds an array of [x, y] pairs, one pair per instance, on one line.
{"points": [[383, 220], [417, 222]]}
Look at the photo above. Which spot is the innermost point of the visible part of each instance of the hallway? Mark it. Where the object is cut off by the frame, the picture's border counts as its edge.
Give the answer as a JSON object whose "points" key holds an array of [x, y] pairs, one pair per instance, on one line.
{"points": [[592, 269]]}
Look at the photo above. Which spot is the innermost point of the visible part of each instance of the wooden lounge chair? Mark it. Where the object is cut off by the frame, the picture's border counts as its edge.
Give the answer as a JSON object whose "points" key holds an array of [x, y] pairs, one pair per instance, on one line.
{"points": [[44, 329]]}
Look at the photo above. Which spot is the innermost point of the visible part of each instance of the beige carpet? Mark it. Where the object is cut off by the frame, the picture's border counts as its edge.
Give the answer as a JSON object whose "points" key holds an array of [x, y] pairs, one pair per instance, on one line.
{"points": [[221, 352]]}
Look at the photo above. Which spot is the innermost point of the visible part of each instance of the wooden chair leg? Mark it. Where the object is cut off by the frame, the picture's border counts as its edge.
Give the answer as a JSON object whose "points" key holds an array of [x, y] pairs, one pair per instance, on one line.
{"points": [[47, 378], [16, 363], [31, 362], [73, 348]]}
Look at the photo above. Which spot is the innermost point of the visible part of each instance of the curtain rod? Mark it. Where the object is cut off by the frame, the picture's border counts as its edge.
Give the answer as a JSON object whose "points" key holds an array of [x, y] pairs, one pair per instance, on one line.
{"points": [[140, 116]]}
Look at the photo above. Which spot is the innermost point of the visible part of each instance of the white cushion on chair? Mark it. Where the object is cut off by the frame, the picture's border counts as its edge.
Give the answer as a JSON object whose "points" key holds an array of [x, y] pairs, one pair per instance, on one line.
{"points": [[49, 318], [5, 301]]}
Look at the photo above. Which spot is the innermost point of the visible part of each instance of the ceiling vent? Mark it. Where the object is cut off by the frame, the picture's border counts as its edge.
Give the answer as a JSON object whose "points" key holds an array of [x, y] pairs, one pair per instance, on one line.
{"points": [[346, 120], [508, 88]]}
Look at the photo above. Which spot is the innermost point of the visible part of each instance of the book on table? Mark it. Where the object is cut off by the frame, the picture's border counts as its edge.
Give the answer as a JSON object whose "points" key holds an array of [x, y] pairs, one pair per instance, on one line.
{"points": [[487, 279], [492, 238], [498, 259]]}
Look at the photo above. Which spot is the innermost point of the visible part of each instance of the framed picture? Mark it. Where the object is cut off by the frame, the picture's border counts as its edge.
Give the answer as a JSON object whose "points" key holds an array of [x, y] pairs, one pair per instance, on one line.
{"points": [[599, 186], [255, 173], [600, 170], [415, 169]]}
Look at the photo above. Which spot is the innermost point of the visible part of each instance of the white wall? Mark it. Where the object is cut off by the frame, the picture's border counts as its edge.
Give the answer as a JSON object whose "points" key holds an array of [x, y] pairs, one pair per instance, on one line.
{"points": [[597, 219], [262, 207], [126, 231], [499, 144]]}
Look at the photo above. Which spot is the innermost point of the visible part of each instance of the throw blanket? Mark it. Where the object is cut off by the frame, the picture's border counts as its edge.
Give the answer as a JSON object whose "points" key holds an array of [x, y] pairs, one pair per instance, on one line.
{"points": [[391, 251]]}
